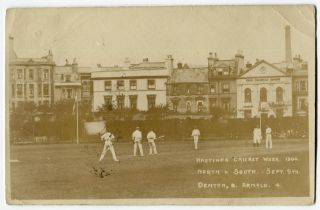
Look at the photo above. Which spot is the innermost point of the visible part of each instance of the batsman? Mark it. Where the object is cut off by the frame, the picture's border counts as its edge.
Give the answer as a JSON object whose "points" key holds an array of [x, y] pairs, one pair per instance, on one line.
{"points": [[108, 138]]}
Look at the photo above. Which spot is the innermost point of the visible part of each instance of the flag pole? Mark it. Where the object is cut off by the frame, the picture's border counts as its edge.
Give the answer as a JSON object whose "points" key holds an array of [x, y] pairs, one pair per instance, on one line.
{"points": [[77, 120]]}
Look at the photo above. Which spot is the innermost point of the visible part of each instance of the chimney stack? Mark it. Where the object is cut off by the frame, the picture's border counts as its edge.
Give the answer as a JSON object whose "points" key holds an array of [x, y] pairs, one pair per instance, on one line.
{"points": [[12, 53], [169, 64], [288, 55]]}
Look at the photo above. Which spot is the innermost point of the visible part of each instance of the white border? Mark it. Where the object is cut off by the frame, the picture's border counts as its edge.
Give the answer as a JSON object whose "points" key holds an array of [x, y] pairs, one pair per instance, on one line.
{"points": [[94, 3]]}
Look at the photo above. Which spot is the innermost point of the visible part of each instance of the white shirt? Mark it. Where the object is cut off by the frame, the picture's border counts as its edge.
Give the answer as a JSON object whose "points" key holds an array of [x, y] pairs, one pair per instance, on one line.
{"points": [[136, 135], [151, 136], [257, 132], [195, 132], [268, 131], [108, 137]]}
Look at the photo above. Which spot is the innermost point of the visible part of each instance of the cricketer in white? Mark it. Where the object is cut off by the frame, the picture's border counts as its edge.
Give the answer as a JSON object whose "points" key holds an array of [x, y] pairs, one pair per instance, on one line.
{"points": [[108, 138], [137, 137]]}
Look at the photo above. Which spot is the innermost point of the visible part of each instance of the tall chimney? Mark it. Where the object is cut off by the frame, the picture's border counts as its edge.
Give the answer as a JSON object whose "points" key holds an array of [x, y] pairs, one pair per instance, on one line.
{"points": [[288, 44], [12, 54], [169, 64]]}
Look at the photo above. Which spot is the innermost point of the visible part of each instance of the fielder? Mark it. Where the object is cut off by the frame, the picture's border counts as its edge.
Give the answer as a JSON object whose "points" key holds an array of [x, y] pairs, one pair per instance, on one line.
{"points": [[137, 137], [108, 137], [268, 138], [151, 136], [257, 136], [195, 134]]}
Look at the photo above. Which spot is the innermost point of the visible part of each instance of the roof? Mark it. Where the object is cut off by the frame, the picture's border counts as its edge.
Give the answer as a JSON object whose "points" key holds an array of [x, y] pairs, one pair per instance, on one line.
{"points": [[130, 73], [225, 63], [281, 65], [148, 65], [260, 62], [31, 61], [302, 73], [85, 69], [191, 75]]}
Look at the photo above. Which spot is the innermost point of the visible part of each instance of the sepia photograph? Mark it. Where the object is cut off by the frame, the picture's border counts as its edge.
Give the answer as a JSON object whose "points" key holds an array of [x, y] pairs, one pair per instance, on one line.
{"points": [[200, 105]]}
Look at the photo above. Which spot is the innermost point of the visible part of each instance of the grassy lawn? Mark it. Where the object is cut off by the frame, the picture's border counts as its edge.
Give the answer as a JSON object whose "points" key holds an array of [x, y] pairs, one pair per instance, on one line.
{"points": [[65, 171]]}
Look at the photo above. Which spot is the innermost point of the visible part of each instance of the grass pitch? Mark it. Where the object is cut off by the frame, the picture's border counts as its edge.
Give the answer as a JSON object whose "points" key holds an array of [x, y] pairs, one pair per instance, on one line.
{"points": [[70, 171]]}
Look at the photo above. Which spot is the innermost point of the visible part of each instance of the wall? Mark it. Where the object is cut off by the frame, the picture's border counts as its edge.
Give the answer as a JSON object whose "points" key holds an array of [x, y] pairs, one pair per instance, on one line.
{"points": [[142, 92], [255, 85]]}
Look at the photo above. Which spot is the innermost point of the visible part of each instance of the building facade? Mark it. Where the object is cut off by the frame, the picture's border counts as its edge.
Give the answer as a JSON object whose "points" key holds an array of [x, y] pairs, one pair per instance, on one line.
{"points": [[298, 69], [222, 82], [264, 90], [86, 84], [30, 79], [67, 84], [187, 93], [140, 86]]}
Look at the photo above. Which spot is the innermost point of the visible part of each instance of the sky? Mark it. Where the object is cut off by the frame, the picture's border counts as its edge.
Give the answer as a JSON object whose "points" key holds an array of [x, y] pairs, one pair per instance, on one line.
{"points": [[108, 35]]}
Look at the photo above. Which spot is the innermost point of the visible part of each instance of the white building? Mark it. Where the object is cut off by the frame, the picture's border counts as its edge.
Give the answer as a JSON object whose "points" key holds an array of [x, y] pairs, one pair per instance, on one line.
{"points": [[264, 89], [140, 86]]}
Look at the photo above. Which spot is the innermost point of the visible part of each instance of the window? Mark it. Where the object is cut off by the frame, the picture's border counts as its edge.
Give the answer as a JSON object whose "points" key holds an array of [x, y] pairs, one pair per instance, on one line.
{"points": [[19, 90], [151, 84], [108, 100], [297, 86], [133, 84], [175, 105], [120, 85], [13, 89], [213, 88], [31, 90], [151, 101], [279, 94], [68, 78], [200, 106], [69, 93], [220, 72], [225, 72], [263, 95], [188, 89], [120, 102], [45, 89], [25, 90], [303, 85], [247, 114], [188, 105], [225, 103], [302, 105], [62, 77], [247, 95], [213, 102], [175, 90], [86, 86], [200, 89], [19, 73], [225, 87], [45, 74], [133, 102], [107, 85], [39, 90], [31, 74]]}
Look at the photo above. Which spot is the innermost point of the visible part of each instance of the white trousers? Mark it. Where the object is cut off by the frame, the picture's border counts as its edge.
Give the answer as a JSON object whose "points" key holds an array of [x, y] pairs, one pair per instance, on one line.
{"points": [[268, 141], [152, 147], [136, 145], [106, 147], [256, 139], [195, 141]]}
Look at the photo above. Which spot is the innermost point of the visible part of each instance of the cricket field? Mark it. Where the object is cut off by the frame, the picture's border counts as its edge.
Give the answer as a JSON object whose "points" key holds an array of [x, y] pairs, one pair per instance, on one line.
{"points": [[228, 168]]}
